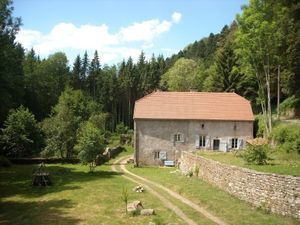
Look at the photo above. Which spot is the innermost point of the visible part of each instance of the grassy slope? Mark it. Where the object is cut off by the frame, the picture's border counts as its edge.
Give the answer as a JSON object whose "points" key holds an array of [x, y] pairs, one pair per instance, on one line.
{"points": [[288, 164], [220, 203], [77, 197]]}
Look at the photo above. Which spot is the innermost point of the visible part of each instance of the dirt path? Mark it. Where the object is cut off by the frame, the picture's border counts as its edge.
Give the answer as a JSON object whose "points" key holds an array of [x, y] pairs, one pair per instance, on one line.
{"points": [[165, 201], [182, 199]]}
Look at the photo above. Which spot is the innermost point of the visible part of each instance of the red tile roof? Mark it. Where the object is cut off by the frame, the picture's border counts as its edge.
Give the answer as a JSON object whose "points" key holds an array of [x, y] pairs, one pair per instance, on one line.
{"points": [[193, 106]]}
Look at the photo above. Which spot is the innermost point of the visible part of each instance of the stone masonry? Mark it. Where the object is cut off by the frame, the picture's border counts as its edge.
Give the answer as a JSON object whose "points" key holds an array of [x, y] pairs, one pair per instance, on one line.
{"points": [[277, 193], [158, 135]]}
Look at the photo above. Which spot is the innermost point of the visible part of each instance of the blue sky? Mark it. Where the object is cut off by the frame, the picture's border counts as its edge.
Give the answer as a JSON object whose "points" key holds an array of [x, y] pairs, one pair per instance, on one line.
{"points": [[119, 28]]}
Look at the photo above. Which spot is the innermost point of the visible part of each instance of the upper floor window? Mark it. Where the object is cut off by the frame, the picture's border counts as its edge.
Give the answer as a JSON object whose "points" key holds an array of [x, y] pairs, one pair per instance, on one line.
{"points": [[178, 137]]}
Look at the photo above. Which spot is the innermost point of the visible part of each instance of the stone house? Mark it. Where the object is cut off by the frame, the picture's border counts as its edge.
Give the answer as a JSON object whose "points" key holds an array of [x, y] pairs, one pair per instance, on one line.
{"points": [[165, 123]]}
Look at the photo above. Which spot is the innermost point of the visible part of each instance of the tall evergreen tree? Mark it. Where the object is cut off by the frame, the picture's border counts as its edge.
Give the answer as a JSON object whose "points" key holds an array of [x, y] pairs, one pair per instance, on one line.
{"points": [[30, 64], [84, 67], [76, 81], [11, 56], [94, 75], [227, 76]]}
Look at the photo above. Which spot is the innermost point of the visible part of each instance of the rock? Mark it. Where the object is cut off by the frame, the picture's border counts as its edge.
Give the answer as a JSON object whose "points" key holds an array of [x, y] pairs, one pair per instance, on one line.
{"points": [[138, 189], [134, 207], [130, 161], [147, 212]]}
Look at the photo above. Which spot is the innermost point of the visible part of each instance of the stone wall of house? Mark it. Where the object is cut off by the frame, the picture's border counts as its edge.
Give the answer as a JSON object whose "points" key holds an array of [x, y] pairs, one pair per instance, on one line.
{"points": [[277, 193], [157, 135]]}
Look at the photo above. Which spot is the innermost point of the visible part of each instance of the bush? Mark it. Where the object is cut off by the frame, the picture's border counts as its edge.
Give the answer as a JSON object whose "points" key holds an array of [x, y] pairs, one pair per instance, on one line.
{"points": [[256, 154], [290, 103], [260, 126], [21, 135], [4, 162], [287, 137]]}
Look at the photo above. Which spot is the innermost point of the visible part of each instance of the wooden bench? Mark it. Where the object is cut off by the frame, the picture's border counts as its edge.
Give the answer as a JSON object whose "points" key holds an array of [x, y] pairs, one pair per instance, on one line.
{"points": [[169, 163]]}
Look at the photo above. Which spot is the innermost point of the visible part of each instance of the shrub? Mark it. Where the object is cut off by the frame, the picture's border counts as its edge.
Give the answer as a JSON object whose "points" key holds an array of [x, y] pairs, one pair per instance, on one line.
{"points": [[260, 126], [125, 196], [256, 154], [21, 135], [289, 103], [287, 137]]}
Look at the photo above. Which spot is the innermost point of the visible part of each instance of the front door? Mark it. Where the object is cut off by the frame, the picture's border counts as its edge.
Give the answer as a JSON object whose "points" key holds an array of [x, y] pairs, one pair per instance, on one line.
{"points": [[216, 144]]}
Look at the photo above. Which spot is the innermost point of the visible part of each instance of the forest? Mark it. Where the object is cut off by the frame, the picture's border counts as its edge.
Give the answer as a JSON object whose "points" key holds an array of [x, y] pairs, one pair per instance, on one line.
{"points": [[62, 103]]}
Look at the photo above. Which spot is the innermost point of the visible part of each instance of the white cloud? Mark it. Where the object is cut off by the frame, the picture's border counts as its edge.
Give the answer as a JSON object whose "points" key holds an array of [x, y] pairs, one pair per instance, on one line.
{"points": [[109, 53], [145, 31], [28, 37], [176, 17], [111, 46]]}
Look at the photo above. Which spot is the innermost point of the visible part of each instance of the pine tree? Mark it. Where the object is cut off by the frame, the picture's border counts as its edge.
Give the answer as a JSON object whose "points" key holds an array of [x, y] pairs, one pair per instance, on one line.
{"points": [[94, 75], [76, 81], [84, 69]]}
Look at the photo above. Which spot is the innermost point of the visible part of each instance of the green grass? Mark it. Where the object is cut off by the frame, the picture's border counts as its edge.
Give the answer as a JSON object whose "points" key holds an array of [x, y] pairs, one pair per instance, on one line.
{"points": [[114, 141], [220, 203], [281, 163], [77, 197], [190, 212]]}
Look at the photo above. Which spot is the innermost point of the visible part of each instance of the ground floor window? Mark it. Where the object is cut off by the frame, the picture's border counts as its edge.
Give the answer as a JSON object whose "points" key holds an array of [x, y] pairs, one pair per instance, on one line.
{"points": [[156, 154], [234, 143], [202, 141], [162, 155]]}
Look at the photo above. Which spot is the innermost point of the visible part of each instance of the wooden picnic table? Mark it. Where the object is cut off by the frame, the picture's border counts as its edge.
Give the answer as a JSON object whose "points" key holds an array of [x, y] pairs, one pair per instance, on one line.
{"points": [[41, 178]]}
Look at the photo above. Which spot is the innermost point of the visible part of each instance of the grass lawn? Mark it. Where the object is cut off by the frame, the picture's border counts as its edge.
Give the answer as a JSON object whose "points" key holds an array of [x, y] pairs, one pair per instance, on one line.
{"points": [[220, 203], [77, 197], [287, 164]]}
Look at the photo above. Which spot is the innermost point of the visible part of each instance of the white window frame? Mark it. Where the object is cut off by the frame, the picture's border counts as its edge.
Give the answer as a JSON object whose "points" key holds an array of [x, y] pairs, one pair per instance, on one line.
{"points": [[234, 143], [202, 141], [178, 137]]}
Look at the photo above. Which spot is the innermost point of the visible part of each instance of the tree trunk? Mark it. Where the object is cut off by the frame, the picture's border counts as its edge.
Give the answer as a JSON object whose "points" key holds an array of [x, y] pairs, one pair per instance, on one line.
{"points": [[262, 97], [278, 94], [269, 99]]}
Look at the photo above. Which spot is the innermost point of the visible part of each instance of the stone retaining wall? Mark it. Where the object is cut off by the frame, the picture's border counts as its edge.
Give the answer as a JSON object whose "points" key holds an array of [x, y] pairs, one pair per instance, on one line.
{"points": [[277, 193]]}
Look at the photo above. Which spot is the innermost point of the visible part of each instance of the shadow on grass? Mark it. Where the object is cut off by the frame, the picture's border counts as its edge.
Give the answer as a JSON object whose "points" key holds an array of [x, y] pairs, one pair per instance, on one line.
{"points": [[17, 180], [39, 212]]}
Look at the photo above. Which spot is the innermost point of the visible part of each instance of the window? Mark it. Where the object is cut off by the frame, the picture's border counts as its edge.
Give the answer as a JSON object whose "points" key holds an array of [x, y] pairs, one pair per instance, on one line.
{"points": [[202, 141], [202, 126], [178, 137], [234, 127], [156, 155], [162, 155], [234, 142]]}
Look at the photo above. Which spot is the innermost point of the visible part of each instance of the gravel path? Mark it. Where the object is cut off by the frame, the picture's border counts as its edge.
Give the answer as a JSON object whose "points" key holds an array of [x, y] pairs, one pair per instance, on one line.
{"points": [[145, 182]]}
